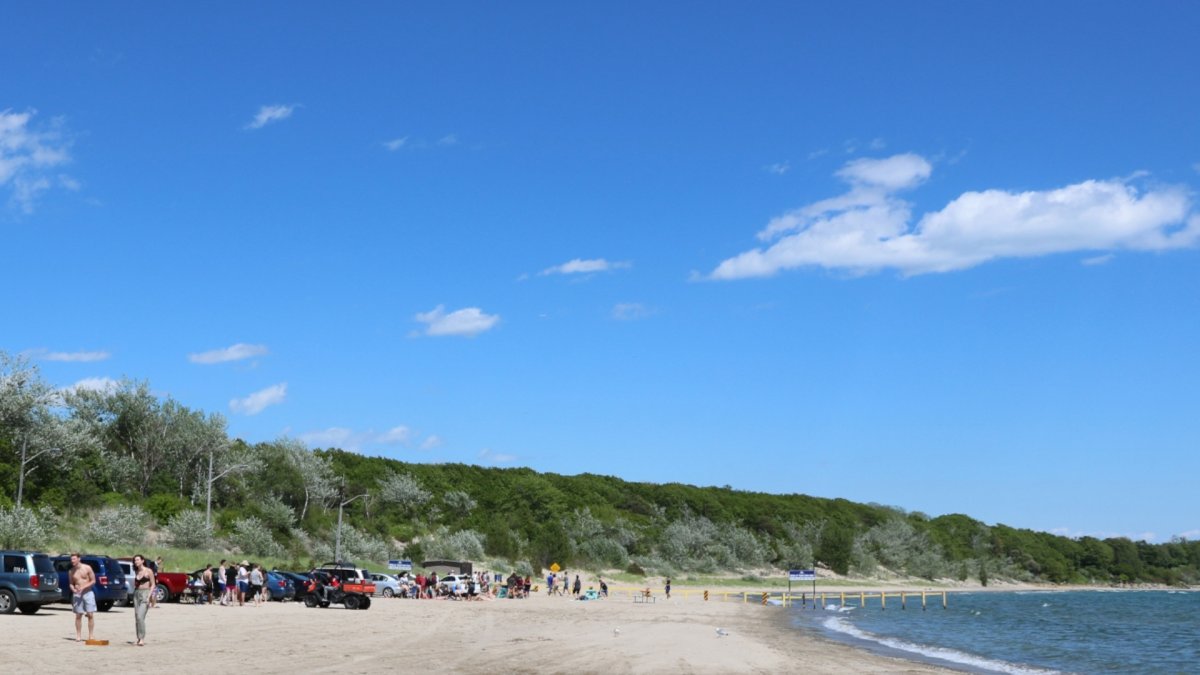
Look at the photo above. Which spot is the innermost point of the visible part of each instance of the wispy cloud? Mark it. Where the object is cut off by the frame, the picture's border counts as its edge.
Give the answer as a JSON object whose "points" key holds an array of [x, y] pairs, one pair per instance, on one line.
{"points": [[396, 143], [69, 357], [581, 266], [260, 400], [106, 384], [779, 168], [448, 139], [269, 114], [28, 157], [486, 456], [870, 228], [469, 321], [431, 441], [358, 441], [630, 311], [1099, 259], [236, 352]]}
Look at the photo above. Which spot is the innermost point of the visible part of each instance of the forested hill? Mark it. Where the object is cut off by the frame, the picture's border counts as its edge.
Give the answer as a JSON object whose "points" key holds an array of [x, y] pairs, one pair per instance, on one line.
{"points": [[102, 467]]}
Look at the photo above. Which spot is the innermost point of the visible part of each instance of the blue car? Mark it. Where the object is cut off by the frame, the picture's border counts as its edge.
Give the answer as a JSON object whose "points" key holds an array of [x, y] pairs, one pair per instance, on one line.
{"points": [[280, 587], [110, 580]]}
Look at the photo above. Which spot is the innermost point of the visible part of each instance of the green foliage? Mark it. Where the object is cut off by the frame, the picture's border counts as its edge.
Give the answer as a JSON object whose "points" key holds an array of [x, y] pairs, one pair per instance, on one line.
{"points": [[461, 545], [163, 506]]}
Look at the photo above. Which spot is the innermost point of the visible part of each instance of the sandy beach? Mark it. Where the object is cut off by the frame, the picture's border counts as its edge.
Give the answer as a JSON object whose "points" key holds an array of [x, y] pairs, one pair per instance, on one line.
{"points": [[538, 635]]}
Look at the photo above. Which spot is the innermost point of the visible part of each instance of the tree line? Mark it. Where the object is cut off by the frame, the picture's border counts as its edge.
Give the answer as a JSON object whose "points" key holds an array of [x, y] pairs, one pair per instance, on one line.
{"points": [[111, 463]]}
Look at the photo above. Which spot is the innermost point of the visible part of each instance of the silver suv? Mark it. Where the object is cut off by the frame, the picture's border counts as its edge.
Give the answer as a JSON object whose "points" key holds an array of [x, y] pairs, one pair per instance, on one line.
{"points": [[27, 581]]}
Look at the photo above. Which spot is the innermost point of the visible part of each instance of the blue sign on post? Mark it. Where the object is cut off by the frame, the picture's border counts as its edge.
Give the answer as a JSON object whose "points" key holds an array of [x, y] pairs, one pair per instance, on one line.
{"points": [[802, 575], [402, 565]]}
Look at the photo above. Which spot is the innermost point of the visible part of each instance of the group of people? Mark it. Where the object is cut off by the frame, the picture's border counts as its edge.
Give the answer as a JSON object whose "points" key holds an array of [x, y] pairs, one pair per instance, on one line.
{"points": [[430, 587], [560, 584], [229, 584]]}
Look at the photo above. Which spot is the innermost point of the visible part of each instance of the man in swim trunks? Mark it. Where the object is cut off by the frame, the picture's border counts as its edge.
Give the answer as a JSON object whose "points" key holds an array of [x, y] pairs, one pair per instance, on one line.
{"points": [[83, 599]]}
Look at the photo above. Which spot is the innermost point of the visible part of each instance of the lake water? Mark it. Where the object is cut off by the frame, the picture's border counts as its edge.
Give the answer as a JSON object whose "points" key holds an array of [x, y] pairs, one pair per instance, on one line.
{"points": [[1027, 632]]}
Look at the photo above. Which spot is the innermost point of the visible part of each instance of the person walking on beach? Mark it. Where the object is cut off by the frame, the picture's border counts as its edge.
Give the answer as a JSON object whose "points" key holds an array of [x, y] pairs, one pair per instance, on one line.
{"points": [[668, 589], [143, 585], [256, 585], [83, 599], [577, 586]]}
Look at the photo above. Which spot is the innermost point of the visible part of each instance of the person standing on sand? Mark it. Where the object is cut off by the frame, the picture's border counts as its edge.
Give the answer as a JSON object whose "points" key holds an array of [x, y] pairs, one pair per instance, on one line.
{"points": [[83, 598], [577, 586], [143, 583], [668, 589], [219, 578]]}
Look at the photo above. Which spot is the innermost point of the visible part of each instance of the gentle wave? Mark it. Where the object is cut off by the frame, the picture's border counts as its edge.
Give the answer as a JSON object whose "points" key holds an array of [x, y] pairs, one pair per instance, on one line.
{"points": [[840, 625]]}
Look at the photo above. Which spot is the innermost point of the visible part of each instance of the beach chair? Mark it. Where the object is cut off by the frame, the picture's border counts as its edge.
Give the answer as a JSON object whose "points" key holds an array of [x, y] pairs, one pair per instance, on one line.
{"points": [[644, 596]]}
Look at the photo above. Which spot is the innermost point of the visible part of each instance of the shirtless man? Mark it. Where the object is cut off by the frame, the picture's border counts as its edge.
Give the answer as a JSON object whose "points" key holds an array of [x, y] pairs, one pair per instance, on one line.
{"points": [[83, 599]]}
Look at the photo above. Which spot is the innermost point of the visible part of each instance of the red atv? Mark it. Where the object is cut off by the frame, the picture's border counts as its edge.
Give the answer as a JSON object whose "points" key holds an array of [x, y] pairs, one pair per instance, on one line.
{"points": [[328, 589]]}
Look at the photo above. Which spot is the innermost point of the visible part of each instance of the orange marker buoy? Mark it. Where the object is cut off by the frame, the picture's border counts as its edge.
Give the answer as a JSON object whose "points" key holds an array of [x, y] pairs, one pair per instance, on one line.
{"points": [[96, 643]]}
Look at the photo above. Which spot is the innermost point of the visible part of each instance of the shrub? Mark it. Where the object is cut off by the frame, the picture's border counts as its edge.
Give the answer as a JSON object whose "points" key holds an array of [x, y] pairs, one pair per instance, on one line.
{"points": [[188, 529], [277, 515], [252, 536], [21, 527], [123, 525], [164, 506], [356, 546], [461, 545]]}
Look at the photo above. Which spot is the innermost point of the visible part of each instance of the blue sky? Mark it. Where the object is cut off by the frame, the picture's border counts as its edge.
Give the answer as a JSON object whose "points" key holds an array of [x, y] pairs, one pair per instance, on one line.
{"points": [[938, 255]]}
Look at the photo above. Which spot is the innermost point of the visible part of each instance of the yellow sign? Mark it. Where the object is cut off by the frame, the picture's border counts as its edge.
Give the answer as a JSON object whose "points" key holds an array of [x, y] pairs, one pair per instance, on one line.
{"points": [[554, 567]]}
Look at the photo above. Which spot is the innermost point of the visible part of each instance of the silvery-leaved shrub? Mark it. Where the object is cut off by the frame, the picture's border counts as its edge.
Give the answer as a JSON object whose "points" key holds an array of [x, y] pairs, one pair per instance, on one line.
{"points": [[461, 545], [188, 529], [276, 513], [252, 537], [123, 525], [356, 546], [21, 527]]}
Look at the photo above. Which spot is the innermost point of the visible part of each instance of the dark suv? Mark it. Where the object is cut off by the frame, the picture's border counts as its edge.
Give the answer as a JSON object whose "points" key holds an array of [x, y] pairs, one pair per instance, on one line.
{"points": [[27, 581], [110, 580]]}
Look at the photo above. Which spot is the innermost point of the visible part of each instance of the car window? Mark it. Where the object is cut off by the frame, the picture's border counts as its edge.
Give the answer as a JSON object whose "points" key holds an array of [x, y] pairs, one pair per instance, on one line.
{"points": [[15, 564], [62, 565], [42, 564]]}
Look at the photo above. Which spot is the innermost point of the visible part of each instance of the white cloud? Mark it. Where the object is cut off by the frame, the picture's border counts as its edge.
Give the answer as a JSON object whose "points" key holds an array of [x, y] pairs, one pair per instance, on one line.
{"points": [[581, 266], [260, 400], [869, 228], [333, 437], [106, 384], [489, 457], [431, 441], [448, 139], [779, 168], [1099, 259], [69, 357], [1190, 535], [629, 311], [269, 114], [400, 434], [236, 352], [357, 441], [396, 143], [468, 321], [27, 157]]}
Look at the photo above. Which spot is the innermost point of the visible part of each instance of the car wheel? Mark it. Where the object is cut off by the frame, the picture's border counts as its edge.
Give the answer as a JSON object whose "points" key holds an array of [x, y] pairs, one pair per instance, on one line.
{"points": [[104, 605], [8, 602], [324, 604], [29, 608], [161, 593], [387, 593], [366, 603], [351, 601], [310, 601]]}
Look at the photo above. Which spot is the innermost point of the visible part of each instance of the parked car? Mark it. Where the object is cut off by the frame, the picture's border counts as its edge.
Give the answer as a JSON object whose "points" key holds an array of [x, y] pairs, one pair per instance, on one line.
{"points": [[127, 569], [110, 580], [345, 571], [385, 584], [27, 581], [299, 583], [279, 587]]}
